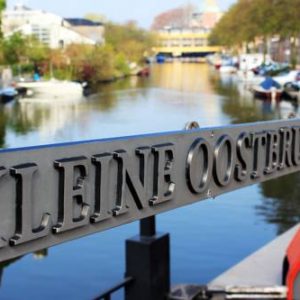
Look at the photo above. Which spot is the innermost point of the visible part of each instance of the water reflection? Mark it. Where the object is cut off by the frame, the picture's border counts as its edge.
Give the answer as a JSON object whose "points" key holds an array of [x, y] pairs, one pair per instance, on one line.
{"points": [[184, 77], [174, 94], [212, 97], [242, 107], [48, 118], [4, 265], [280, 201], [2, 127], [194, 85], [178, 90], [37, 255], [41, 254]]}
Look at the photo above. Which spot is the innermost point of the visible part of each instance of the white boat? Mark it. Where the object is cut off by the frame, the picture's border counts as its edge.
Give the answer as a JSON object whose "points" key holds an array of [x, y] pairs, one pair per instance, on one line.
{"points": [[252, 61], [228, 69], [269, 89], [249, 77], [292, 76], [52, 89]]}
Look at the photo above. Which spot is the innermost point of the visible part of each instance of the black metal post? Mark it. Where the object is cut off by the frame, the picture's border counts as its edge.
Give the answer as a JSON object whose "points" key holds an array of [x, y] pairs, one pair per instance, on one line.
{"points": [[148, 227], [148, 262]]}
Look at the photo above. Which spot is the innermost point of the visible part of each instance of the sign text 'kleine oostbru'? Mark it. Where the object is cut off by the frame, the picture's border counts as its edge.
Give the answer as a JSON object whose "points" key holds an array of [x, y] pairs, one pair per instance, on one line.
{"points": [[56, 193]]}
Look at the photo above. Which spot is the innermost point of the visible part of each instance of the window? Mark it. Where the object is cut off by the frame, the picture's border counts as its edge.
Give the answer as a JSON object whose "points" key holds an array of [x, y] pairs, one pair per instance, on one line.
{"points": [[199, 42], [186, 42]]}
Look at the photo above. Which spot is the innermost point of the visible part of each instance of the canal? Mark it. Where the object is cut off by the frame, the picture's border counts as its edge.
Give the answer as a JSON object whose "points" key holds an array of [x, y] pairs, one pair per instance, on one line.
{"points": [[207, 237]]}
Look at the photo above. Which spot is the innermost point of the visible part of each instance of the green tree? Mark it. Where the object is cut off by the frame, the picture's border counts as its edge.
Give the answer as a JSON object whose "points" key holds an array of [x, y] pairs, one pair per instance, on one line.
{"points": [[129, 39], [288, 24], [2, 7], [121, 65], [93, 64], [35, 50], [23, 52], [14, 49], [248, 20]]}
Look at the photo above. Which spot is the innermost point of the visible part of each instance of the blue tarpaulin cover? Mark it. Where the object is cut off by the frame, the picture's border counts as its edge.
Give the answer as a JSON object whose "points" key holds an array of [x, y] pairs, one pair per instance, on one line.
{"points": [[269, 82]]}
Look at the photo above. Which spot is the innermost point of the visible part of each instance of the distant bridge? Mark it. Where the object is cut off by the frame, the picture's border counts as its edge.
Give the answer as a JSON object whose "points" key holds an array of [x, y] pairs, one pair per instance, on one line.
{"points": [[187, 51], [183, 43]]}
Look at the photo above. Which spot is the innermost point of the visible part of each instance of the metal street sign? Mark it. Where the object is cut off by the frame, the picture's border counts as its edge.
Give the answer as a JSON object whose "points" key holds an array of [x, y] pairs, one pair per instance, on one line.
{"points": [[56, 193]]}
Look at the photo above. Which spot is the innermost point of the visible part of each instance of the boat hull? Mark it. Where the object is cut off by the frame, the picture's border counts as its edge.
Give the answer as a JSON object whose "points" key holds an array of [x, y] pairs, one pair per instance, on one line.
{"points": [[261, 93], [52, 89], [8, 94]]}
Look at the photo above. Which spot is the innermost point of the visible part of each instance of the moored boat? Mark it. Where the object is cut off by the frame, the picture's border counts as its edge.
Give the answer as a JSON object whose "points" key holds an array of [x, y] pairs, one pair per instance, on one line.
{"points": [[52, 89], [291, 76], [292, 90], [144, 72], [8, 94], [252, 61], [228, 65], [270, 273], [269, 89], [160, 59], [228, 69], [249, 77]]}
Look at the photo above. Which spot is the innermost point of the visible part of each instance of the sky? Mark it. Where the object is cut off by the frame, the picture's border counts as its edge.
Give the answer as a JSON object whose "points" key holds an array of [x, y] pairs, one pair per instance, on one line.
{"points": [[143, 11]]}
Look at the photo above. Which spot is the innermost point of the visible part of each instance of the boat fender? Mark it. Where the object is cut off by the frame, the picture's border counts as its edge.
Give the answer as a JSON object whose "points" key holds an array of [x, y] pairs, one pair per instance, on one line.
{"points": [[291, 268]]}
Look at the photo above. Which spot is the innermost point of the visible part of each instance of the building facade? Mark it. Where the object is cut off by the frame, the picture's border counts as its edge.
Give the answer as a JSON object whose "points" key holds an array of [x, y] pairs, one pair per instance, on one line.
{"points": [[51, 29], [187, 33]]}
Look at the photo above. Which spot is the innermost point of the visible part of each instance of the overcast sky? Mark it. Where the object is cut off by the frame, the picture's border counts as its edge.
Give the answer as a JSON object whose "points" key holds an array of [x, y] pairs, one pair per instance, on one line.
{"points": [[142, 11]]}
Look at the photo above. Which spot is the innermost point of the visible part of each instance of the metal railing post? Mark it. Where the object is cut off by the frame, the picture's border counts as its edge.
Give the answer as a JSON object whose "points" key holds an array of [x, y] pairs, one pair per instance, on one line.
{"points": [[148, 262], [148, 227]]}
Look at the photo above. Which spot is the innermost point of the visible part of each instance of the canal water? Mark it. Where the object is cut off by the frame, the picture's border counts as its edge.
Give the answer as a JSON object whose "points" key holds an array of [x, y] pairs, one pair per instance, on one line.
{"points": [[207, 237]]}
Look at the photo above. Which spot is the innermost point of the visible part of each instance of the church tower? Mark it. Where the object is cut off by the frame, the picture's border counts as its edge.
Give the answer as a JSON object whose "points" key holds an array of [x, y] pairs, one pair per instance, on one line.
{"points": [[210, 15], [211, 6]]}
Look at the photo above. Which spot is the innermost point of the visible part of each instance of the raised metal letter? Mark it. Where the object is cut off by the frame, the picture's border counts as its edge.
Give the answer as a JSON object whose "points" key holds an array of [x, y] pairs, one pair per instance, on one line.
{"points": [[224, 160], [296, 145], [243, 142], [272, 159], [3, 241], [24, 231], [71, 191], [164, 185], [286, 148], [259, 141], [102, 209], [199, 166], [134, 179]]}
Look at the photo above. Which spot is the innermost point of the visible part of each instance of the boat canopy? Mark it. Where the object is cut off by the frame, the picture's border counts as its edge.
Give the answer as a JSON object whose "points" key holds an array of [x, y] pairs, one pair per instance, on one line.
{"points": [[269, 83]]}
